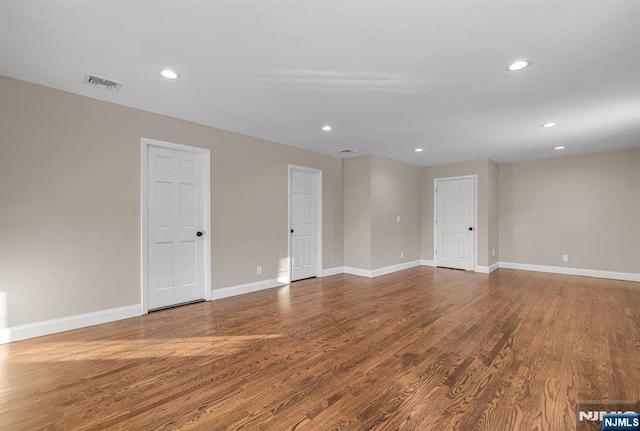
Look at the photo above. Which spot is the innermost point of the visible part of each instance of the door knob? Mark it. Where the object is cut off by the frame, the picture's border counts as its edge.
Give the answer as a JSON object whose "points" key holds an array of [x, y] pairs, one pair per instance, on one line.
{"points": [[199, 234], [291, 230], [470, 228]]}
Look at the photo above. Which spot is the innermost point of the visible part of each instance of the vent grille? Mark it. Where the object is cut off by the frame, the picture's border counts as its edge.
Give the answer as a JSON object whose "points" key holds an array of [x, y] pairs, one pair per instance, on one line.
{"points": [[101, 82], [347, 151]]}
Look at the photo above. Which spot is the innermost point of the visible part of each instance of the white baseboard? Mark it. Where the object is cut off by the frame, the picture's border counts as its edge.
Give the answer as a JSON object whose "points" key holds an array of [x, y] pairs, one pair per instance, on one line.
{"points": [[380, 271], [394, 268], [47, 327], [357, 271], [625, 276], [244, 288], [332, 271], [487, 269]]}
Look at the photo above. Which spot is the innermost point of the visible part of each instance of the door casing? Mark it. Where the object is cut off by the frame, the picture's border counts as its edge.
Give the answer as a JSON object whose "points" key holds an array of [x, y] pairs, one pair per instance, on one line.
{"points": [[285, 276], [145, 143], [475, 216]]}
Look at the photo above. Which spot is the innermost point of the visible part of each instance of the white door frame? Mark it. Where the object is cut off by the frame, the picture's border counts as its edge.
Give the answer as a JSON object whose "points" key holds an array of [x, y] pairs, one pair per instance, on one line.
{"points": [[145, 143], [285, 276], [475, 216]]}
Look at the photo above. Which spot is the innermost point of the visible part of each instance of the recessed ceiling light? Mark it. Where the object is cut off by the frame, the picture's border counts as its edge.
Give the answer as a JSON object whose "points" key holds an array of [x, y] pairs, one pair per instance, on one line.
{"points": [[559, 148], [547, 125], [418, 150], [327, 128], [169, 74], [518, 65]]}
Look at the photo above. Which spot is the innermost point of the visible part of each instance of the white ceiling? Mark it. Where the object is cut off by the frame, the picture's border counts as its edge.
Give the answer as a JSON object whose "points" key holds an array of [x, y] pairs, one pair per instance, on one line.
{"points": [[388, 75]]}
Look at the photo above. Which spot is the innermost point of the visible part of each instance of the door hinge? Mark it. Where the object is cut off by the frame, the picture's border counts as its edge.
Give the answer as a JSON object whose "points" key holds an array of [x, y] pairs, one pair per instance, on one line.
{"points": [[436, 252]]}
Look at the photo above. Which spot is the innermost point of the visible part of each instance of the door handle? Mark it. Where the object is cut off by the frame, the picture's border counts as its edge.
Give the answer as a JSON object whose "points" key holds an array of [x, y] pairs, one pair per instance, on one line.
{"points": [[199, 233], [470, 228], [291, 230]]}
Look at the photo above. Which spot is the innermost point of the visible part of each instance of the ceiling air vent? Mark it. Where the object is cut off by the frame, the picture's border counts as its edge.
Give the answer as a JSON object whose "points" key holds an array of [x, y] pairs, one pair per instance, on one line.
{"points": [[100, 82], [347, 151]]}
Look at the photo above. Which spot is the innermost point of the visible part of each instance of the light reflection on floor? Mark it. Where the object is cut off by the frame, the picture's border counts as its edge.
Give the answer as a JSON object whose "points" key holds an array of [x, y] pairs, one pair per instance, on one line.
{"points": [[284, 299], [137, 349]]}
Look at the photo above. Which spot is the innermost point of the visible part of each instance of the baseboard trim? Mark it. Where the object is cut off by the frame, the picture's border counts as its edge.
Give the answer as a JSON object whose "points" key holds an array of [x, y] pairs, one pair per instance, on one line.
{"points": [[357, 271], [394, 268], [53, 326], [625, 276], [380, 271], [241, 289], [425, 262], [487, 269], [332, 271]]}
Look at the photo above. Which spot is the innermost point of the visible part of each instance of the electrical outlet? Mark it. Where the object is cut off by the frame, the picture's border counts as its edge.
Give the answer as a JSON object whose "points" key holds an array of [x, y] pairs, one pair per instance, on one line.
{"points": [[565, 258], [402, 255], [493, 252], [398, 219], [259, 270]]}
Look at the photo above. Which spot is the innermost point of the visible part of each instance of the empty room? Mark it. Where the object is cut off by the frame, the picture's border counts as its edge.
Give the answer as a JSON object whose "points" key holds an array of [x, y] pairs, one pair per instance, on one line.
{"points": [[320, 215]]}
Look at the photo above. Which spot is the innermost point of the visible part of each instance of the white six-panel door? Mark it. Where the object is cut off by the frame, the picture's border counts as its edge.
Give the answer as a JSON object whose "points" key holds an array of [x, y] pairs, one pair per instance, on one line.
{"points": [[304, 228], [455, 223], [175, 227]]}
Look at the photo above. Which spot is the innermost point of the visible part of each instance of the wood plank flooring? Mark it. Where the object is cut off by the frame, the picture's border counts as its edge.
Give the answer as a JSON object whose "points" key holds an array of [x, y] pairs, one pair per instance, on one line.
{"points": [[422, 349]]}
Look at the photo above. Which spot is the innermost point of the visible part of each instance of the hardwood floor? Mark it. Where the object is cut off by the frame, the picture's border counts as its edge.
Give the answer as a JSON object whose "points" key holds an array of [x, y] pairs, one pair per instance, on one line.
{"points": [[422, 349]]}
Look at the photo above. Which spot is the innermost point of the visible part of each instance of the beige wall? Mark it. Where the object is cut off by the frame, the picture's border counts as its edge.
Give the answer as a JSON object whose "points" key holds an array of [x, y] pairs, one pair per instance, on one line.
{"points": [[376, 192], [585, 206], [486, 207], [70, 201], [395, 192], [493, 203], [357, 212]]}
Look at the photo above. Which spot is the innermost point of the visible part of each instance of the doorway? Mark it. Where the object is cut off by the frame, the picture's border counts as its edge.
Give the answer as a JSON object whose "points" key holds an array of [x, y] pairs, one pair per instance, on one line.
{"points": [[305, 222], [176, 225], [455, 221]]}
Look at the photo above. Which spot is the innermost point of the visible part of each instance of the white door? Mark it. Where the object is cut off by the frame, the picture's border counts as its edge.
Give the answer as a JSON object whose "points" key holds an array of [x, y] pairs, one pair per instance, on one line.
{"points": [[304, 227], [175, 227], [455, 223]]}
